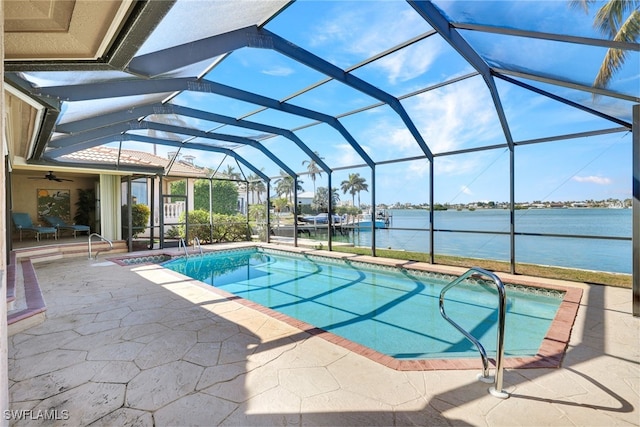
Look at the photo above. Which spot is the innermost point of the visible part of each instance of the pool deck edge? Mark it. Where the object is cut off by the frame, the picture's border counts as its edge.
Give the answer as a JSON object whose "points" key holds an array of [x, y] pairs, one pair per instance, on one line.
{"points": [[549, 355]]}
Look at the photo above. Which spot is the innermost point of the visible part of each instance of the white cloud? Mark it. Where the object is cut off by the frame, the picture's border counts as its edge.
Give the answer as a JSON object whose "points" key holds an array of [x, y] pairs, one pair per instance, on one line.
{"points": [[344, 155], [410, 62], [452, 165], [459, 115], [278, 71], [416, 170], [466, 190], [353, 33], [600, 180], [401, 139], [361, 28]]}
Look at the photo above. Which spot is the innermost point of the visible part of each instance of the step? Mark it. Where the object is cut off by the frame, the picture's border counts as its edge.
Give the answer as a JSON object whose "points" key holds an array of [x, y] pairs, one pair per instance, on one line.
{"points": [[11, 282], [69, 250], [30, 310], [33, 311]]}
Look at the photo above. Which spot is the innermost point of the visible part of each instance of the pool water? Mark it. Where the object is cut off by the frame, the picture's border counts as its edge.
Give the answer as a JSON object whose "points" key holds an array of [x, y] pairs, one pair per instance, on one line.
{"points": [[394, 311]]}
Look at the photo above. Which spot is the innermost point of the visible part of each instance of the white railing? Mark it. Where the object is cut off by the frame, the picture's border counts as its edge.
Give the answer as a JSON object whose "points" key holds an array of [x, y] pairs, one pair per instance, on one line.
{"points": [[172, 211]]}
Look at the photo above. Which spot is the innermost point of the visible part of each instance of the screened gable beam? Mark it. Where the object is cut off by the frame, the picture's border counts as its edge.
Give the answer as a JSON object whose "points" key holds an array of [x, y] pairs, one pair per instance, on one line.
{"points": [[173, 58], [215, 136], [547, 36], [101, 135], [52, 154], [141, 87], [434, 17], [160, 109], [202, 147], [556, 82]]}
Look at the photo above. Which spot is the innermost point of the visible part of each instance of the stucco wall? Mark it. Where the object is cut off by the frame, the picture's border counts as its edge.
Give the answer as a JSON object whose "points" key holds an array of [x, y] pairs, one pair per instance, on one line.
{"points": [[4, 382], [25, 191]]}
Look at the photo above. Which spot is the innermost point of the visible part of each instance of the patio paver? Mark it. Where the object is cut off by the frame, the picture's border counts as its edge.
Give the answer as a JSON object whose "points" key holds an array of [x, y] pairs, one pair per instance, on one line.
{"points": [[137, 345]]}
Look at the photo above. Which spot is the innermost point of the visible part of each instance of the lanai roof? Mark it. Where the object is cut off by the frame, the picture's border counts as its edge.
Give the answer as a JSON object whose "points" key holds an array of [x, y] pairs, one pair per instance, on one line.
{"points": [[268, 85]]}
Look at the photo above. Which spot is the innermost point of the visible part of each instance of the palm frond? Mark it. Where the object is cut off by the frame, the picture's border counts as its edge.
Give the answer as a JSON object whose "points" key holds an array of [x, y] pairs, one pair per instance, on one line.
{"points": [[610, 17], [581, 4], [628, 32]]}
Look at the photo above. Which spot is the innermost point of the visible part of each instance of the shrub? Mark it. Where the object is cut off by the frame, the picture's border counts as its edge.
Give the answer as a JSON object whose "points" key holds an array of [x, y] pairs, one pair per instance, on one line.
{"points": [[230, 228], [198, 226], [172, 233], [226, 228], [140, 214], [349, 210]]}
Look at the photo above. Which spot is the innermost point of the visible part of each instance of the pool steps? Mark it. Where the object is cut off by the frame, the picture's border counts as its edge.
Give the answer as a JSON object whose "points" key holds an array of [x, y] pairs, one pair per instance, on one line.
{"points": [[25, 306]]}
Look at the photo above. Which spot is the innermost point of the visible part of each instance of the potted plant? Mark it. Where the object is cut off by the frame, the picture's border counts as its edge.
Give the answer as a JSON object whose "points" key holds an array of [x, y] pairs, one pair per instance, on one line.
{"points": [[85, 208]]}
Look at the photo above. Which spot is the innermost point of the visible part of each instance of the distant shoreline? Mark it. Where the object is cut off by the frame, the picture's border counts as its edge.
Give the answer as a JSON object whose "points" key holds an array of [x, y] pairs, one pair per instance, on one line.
{"points": [[439, 207]]}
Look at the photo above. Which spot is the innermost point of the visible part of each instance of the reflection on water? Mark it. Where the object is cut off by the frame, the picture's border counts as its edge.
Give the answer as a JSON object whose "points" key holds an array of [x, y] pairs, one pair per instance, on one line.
{"points": [[220, 270], [394, 311]]}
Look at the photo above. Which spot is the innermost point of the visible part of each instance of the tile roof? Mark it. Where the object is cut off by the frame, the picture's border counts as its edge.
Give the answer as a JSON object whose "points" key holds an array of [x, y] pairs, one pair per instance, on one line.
{"points": [[138, 158]]}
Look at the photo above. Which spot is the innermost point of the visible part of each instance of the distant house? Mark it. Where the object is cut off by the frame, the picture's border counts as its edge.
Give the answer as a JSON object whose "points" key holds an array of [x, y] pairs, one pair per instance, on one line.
{"points": [[305, 198]]}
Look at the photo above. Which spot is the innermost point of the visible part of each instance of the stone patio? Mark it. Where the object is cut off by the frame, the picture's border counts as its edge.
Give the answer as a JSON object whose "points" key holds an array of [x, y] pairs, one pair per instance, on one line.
{"points": [[140, 345]]}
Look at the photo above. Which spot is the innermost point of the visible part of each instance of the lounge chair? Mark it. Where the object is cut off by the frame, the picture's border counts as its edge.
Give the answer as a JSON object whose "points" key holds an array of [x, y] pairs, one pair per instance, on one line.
{"points": [[22, 222], [59, 224]]}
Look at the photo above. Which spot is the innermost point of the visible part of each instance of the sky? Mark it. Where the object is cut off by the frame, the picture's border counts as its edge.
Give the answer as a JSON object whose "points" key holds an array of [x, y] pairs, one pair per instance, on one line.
{"points": [[454, 117]]}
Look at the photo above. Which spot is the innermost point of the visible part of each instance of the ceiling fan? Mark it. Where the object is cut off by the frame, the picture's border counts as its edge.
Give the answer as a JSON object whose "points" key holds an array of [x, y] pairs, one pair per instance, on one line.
{"points": [[51, 177]]}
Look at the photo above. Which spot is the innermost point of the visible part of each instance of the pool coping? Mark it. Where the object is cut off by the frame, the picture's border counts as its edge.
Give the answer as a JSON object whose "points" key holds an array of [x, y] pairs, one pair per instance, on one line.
{"points": [[549, 355]]}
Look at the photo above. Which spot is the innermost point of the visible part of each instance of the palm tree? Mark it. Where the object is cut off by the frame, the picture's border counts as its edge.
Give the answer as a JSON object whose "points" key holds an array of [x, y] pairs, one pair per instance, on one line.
{"points": [[256, 186], [231, 172], [284, 185], [354, 185], [321, 198], [313, 169], [280, 204], [620, 21]]}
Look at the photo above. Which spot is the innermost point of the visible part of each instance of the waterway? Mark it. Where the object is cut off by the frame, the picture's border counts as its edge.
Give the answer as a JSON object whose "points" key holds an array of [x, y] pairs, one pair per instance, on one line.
{"points": [[409, 227]]}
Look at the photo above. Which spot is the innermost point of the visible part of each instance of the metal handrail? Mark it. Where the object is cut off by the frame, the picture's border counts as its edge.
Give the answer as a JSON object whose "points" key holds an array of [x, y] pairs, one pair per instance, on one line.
{"points": [[104, 239], [183, 244], [496, 390], [196, 244]]}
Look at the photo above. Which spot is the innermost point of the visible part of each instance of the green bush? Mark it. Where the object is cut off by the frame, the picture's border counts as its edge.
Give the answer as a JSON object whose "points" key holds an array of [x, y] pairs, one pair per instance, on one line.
{"points": [[230, 228], [349, 210], [226, 228], [224, 195], [140, 214], [198, 226], [172, 233]]}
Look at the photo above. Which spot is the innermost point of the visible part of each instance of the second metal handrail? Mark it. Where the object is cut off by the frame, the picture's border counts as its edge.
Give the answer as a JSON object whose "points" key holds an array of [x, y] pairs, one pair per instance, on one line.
{"points": [[104, 239], [196, 244], [496, 390], [183, 244]]}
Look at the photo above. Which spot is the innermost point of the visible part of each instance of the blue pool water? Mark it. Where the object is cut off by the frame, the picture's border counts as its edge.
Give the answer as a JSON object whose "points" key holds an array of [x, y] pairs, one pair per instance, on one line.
{"points": [[393, 311]]}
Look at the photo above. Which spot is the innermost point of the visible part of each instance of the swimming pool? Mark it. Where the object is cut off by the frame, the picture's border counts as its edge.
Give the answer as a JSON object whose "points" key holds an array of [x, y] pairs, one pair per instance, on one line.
{"points": [[393, 311]]}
